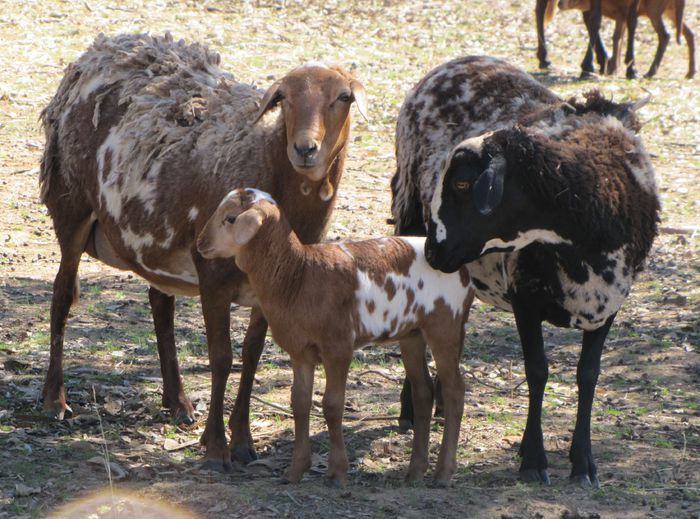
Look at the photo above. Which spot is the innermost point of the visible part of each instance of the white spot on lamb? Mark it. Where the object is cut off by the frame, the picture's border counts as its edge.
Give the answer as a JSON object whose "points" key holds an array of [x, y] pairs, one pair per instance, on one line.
{"points": [[192, 214]]}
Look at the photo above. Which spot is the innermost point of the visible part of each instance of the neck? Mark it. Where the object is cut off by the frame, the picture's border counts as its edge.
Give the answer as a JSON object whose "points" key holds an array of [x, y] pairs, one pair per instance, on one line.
{"points": [[274, 262]]}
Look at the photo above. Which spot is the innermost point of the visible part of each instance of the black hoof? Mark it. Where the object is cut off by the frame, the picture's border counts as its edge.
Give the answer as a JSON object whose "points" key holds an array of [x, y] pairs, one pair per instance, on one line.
{"points": [[535, 476], [545, 64], [438, 484], [631, 74], [584, 481], [184, 420], [216, 466], [405, 425], [284, 481], [332, 483], [585, 74], [243, 454]]}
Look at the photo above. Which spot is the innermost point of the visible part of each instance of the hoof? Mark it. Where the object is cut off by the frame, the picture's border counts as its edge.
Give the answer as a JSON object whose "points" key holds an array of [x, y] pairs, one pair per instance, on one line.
{"points": [[545, 64], [585, 74], [333, 482], [439, 483], [405, 425], [216, 466], [584, 481], [631, 74], [690, 75], [535, 476], [183, 419], [61, 414], [243, 454]]}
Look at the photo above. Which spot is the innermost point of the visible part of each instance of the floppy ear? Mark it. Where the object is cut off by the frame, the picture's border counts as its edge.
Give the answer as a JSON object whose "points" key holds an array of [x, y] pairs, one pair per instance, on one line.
{"points": [[246, 226], [358, 92], [271, 99], [488, 190]]}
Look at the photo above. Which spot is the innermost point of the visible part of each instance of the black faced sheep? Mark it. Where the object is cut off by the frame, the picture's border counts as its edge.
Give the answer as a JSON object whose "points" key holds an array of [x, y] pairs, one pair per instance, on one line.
{"points": [[324, 300], [552, 204], [144, 137]]}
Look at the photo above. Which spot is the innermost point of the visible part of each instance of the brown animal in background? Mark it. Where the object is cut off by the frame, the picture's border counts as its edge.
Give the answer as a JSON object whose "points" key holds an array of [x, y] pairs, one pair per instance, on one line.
{"points": [[620, 10], [144, 137], [325, 300], [544, 13]]}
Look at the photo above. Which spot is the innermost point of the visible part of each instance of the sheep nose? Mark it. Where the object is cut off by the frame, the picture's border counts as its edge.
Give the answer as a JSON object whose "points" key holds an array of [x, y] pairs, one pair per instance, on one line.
{"points": [[307, 149]]}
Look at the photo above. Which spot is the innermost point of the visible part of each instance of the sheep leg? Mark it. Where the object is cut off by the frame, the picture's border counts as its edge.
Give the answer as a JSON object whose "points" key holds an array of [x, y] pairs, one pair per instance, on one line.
{"points": [[447, 354], [583, 469], [174, 398], [592, 19], [406, 418], [72, 237], [336, 367], [540, 8], [216, 303], [617, 48], [241, 440], [690, 40], [534, 460], [664, 38], [302, 389], [421, 386], [632, 18]]}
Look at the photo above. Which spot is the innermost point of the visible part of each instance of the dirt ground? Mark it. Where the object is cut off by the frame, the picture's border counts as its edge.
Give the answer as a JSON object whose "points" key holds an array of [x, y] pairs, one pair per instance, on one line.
{"points": [[646, 417]]}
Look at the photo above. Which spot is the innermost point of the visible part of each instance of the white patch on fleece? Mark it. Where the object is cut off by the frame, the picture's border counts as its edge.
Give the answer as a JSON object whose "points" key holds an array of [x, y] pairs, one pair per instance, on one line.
{"points": [[524, 239], [260, 195], [591, 303], [435, 286], [192, 214], [496, 271]]}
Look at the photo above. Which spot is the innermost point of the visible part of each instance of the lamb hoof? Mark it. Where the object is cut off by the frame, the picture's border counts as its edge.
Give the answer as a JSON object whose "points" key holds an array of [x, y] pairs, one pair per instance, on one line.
{"points": [[183, 419], [585, 74], [243, 454], [584, 481], [405, 425], [216, 466], [535, 476], [690, 75], [59, 414], [631, 73]]}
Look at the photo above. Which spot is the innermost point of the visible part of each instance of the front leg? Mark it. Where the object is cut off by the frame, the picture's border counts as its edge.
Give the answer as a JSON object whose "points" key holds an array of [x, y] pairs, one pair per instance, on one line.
{"points": [[592, 19], [540, 8], [215, 290], [241, 440], [534, 460], [302, 389], [336, 368], [174, 398], [583, 469], [632, 16]]}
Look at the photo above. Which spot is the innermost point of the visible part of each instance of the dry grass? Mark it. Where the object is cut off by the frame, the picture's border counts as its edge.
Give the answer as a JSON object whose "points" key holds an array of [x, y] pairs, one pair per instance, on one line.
{"points": [[646, 430]]}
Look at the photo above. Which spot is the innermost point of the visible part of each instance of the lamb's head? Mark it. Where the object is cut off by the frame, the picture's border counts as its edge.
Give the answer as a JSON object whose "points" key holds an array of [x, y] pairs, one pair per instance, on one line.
{"points": [[315, 105], [480, 205], [235, 222]]}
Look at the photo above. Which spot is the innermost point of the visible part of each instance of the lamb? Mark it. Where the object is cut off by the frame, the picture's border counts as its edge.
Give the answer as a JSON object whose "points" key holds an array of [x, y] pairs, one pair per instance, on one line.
{"points": [[500, 145], [143, 138], [620, 10], [592, 17], [323, 301]]}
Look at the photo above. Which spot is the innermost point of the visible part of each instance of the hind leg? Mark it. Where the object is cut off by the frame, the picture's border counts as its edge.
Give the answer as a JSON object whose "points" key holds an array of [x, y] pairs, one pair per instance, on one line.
{"points": [[690, 40], [664, 38], [72, 231]]}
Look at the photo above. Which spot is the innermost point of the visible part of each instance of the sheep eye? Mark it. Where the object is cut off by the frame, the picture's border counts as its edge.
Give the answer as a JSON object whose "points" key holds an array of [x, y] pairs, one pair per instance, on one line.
{"points": [[345, 97], [462, 185], [230, 219], [279, 96]]}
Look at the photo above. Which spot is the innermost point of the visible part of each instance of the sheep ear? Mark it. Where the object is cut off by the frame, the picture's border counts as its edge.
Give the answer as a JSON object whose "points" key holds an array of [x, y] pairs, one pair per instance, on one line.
{"points": [[271, 99], [358, 92], [246, 226], [488, 190]]}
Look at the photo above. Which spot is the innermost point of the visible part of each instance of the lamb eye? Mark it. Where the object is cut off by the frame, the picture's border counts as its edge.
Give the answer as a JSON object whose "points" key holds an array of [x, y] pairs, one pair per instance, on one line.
{"points": [[230, 219], [462, 185]]}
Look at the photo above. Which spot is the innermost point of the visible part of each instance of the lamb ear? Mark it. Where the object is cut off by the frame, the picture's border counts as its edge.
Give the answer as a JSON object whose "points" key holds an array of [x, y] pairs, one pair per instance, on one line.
{"points": [[246, 226], [488, 190], [358, 92], [271, 99]]}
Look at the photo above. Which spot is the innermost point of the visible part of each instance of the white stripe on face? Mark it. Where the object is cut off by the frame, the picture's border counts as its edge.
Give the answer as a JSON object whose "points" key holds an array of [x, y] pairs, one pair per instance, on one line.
{"points": [[436, 203]]}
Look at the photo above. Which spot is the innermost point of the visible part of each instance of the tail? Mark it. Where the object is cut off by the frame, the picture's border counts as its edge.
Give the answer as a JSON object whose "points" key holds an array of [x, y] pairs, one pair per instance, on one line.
{"points": [[406, 206], [680, 7], [549, 11]]}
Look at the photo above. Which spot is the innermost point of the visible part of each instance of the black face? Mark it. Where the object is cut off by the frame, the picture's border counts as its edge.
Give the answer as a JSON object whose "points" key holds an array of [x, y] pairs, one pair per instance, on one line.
{"points": [[468, 212]]}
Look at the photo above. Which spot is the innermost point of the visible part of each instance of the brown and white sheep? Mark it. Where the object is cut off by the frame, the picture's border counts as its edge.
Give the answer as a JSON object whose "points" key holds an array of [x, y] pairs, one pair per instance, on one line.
{"points": [[323, 301], [620, 10], [144, 137]]}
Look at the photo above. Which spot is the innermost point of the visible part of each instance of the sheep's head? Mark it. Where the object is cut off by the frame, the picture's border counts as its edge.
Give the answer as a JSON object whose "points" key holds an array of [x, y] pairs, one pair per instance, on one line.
{"points": [[235, 222], [315, 103], [479, 204]]}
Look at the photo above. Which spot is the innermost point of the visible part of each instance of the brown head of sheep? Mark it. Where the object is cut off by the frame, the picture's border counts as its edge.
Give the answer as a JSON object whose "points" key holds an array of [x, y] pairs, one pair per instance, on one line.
{"points": [[144, 137]]}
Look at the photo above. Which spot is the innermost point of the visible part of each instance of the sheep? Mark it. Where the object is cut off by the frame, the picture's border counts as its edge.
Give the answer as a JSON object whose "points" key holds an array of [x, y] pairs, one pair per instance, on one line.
{"points": [[544, 13], [571, 259], [323, 301], [143, 138], [620, 10]]}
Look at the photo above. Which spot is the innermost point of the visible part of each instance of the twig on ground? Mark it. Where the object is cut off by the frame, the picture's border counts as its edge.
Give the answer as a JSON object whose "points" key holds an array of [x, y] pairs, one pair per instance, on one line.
{"points": [[378, 372], [283, 410]]}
